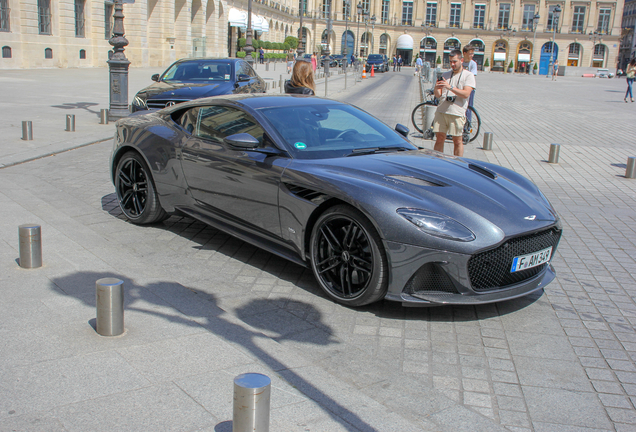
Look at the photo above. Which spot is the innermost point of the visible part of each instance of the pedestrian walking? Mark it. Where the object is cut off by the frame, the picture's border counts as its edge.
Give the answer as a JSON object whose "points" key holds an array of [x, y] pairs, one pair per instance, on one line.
{"points": [[418, 66], [555, 70], [453, 90], [290, 60], [394, 62], [471, 66], [261, 55], [302, 80], [314, 62], [400, 63], [630, 74]]}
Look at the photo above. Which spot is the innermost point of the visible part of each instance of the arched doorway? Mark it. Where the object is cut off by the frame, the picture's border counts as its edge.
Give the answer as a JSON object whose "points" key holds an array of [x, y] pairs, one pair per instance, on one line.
{"points": [[449, 45], [347, 44], [598, 57], [428, 50], [574, 54], [405, 48], [524, 52], [499, 55], [366, 44], [546, 54], [384, 44], [480, 48]]}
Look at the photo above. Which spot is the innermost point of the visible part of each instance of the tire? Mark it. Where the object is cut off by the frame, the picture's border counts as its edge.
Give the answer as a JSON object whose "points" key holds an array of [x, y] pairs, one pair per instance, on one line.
{"points": [[471, 129], [417, 116], [136, 191], [347, 257]]}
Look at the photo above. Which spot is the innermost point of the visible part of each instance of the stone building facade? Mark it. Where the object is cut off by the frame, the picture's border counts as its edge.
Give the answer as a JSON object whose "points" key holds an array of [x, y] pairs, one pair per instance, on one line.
{"points": [[75, 33]]}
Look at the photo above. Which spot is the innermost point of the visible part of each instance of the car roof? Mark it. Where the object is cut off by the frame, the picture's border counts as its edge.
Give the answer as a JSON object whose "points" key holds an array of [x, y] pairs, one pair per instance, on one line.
{"points": [[256, 102], [208, 60]]}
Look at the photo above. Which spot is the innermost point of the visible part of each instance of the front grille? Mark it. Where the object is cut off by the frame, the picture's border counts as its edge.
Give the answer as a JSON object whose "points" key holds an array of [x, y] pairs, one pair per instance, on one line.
{"points": [[490, 270], [161, 103], [430, 278]]}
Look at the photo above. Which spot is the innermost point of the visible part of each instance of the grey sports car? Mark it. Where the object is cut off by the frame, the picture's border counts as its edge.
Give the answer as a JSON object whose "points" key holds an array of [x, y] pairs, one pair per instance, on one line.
{"points": [[328, 186]]}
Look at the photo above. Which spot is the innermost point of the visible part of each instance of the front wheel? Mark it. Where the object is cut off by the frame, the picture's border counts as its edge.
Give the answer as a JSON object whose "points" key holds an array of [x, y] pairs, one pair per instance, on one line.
{"points": [[472, 125], [418, 116], [347, 257]]}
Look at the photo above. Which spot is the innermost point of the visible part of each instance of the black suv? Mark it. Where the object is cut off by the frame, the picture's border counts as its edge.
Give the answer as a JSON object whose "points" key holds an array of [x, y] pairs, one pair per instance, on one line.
{"points": [[379, 62]]}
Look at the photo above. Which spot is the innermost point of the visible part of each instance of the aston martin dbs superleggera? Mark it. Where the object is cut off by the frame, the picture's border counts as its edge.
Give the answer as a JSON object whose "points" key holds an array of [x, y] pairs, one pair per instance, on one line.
{"points": [[328, 186]]}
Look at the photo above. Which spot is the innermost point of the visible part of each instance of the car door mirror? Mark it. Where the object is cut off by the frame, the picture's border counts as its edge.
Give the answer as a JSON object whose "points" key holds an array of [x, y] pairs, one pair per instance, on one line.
{"points": [[155, 77], [243, 78], [242, 140], [402, 130]]}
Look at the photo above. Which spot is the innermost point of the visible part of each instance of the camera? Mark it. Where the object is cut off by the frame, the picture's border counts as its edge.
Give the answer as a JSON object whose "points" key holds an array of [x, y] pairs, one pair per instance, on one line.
{"points": [[450, 98], [440, 78]]}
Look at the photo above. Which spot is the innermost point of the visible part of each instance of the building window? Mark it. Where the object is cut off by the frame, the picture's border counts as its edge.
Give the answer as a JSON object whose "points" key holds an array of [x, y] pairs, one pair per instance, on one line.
{"points": [[48, 53], [108, 22], [365, 6], [552, 20], [385, 11], [6, 52], [455, 15], [431, 14], [407, 13], [82, 54], [578, 19], [302, 6], [79, 18], [346, 11], [504, 16], [4, 16], [575, 49], [480, 15], [44, 16], [604, 20], [326, 8], [528, 15]]}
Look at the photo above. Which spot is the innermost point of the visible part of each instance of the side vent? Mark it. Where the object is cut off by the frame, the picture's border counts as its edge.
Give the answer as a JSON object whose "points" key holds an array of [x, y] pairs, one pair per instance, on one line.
{"points": [[304, 193], [483, 171]]}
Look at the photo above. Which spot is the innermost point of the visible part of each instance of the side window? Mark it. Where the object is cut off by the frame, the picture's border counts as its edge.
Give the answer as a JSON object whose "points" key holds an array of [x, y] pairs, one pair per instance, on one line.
{"points": [[249, 71], [217, 122], [188, 120]]}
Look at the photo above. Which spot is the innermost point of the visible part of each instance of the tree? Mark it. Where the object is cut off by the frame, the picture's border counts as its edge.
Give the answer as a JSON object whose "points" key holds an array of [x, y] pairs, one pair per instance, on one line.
{"points": [[439, 60], [486, 64], [292, 41]]}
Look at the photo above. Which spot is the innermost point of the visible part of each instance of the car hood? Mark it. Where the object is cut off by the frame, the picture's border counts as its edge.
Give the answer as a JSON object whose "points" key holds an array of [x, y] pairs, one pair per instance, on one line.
{"points": [[162, 90], [460, 188]]}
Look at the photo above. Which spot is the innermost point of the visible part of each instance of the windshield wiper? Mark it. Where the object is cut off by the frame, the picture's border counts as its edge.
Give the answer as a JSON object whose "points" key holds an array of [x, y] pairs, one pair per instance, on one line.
{"points": [[375, 150]]}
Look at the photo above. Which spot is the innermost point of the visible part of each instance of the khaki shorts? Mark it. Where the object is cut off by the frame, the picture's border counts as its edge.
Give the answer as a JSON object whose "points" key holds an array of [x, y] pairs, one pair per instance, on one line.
{"points": [[451, 124]]}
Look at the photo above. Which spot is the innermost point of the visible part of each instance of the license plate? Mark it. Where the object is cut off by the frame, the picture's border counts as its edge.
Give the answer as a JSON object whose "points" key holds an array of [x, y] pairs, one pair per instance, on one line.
{"points": [[525, 262]]}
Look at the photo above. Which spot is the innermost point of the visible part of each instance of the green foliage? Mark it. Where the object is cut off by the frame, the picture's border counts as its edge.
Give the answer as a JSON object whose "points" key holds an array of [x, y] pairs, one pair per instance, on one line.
{"points": [[511, 65], [487, 63], [268, 45], [535, 66], [292, 41], [286, 46], [241, 54], [242, 42], [439, 60], [256, 43]]}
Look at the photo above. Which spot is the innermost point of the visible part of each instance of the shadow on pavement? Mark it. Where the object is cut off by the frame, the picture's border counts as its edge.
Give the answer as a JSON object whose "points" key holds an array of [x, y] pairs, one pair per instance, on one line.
{"points": [[185, 306], [78, 105]]}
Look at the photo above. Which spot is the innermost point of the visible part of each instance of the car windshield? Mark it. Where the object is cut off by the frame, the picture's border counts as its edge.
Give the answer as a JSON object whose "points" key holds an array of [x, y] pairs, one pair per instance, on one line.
{"points": [[332, 131], [198, 72], [374, 57]]}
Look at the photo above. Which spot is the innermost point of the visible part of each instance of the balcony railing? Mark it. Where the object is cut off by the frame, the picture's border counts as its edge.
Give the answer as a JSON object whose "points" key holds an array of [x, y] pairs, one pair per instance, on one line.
{"points": [[455, 25]]}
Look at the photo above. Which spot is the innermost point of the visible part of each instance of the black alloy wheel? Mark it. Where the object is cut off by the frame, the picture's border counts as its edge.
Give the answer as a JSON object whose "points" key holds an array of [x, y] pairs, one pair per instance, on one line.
{"points": [[136, 192], [347, 257]]}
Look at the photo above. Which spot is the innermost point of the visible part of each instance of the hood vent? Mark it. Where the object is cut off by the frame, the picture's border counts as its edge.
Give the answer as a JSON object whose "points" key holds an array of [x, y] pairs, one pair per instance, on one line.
{"points": [[483, 171], [416, 181]]}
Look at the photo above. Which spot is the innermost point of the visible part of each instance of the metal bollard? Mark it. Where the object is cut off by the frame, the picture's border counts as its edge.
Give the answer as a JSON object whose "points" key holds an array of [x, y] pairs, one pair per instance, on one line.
{"points": [[487, 141], [630, 172], [110, 306], [281, 84], [27, 130], [103, 116], [30, 245], [554, 153], [429, 116], [267, 66], [70, 122], [251, 403]]}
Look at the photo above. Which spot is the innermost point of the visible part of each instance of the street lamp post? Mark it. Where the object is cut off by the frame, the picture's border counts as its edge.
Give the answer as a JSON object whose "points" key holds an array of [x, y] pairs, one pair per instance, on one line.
{"points": [[249, 49], [359, 7], [118, 67], [365, 14], [373, 20], [555, 22], [301, 34], [535, 22], [593, 36], [347, 5], [508, 33]]}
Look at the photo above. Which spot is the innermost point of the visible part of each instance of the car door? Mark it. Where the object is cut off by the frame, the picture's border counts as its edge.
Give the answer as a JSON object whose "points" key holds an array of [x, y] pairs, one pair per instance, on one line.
{"points": [[238, 185]]}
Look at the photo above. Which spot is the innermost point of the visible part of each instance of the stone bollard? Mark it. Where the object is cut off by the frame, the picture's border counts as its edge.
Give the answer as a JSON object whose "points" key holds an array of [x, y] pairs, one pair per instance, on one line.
{"points": [[554, 153], [487, 141], [110, 306], [103, 116], [267, 66], [252, 393], [27, 130], [630, 172], [281, 84], [70, 122], [30, 236]]}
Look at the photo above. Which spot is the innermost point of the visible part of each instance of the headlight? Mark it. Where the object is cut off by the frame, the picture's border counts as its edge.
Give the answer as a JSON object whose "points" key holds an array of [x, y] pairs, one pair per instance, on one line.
{"points": [[437, 224], [139, 102]]}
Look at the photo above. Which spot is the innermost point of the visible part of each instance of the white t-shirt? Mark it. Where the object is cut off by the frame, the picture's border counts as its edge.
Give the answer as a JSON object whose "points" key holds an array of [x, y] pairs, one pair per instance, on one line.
{"points": [[471, 66], [460, 105]]}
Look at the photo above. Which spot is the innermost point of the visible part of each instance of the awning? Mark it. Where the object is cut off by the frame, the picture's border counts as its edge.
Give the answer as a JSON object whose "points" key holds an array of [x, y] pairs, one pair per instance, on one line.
{"points": [[405, 42], [524, 57], [499, 56], [238, 18]]}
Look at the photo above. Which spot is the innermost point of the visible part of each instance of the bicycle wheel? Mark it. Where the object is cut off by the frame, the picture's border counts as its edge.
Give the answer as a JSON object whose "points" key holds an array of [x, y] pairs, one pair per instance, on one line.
{"points": [[417, 116], [471, 128]]}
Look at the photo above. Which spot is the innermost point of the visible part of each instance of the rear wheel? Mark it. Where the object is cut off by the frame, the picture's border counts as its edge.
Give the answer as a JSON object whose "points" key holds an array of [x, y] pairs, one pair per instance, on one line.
{"points": [[136, 191], [472, 126], [347, 257], [418, 116]]}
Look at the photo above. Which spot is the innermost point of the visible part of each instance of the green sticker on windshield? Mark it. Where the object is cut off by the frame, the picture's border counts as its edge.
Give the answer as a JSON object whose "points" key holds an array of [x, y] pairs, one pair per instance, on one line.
{"points": [[300, 146]]}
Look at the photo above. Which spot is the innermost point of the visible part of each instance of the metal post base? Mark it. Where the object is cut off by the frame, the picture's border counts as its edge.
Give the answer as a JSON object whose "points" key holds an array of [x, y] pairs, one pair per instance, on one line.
{"points": [[488, 141], [554, 153], [30, 246], [251, 403], [110, 306], [630, 172]]}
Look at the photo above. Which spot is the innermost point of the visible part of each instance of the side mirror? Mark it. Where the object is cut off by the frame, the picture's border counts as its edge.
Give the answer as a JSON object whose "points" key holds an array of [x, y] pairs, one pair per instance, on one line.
{"points": [[402, 130], [243, 78], [155, 77], [242, 140]]}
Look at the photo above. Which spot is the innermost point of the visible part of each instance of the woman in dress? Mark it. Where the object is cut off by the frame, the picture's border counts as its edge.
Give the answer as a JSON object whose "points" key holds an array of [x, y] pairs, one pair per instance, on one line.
{"points": [[314, 62], [302, 80], [630, 74]]}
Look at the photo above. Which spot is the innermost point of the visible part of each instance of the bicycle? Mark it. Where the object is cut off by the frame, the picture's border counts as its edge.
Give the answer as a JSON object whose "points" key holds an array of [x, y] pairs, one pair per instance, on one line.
{"points": [[471, 127]]}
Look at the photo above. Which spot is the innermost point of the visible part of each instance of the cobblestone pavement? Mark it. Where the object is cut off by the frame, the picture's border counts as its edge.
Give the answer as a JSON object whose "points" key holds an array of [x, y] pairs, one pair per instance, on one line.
{"points": [[203, 306]]}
